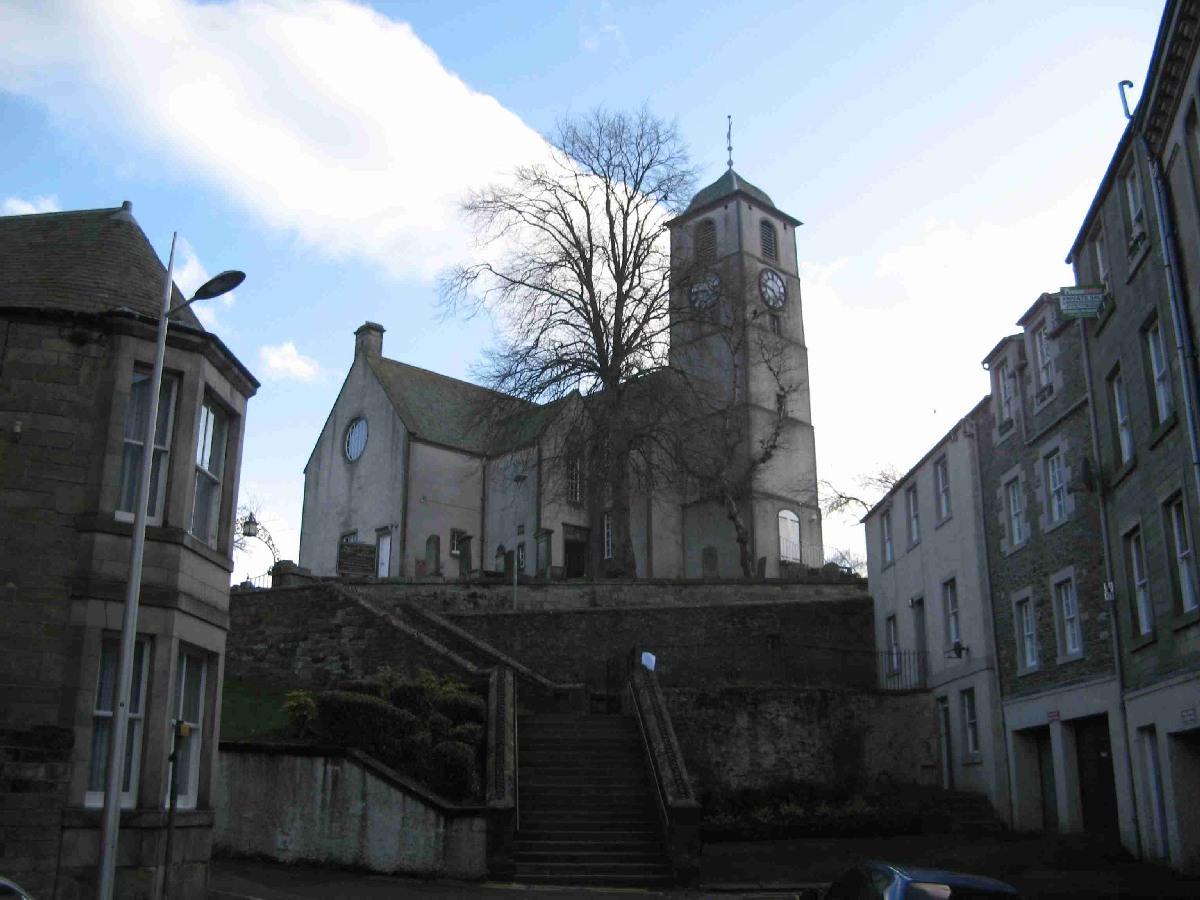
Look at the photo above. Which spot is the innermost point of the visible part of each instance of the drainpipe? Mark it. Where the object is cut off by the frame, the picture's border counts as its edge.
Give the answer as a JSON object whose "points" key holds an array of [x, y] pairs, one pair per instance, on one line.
{"points": [[1114, 620], [1184, 348], [407, 501]]}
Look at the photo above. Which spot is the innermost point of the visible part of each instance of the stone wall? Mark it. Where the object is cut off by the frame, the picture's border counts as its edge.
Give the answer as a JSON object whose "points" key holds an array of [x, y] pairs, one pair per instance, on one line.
{"points": [[736, 738]]}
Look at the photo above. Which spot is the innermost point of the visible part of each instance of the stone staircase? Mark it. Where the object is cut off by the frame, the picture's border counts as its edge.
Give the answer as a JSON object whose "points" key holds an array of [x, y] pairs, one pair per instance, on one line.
{"points": [[587, 804], [962, 813]]}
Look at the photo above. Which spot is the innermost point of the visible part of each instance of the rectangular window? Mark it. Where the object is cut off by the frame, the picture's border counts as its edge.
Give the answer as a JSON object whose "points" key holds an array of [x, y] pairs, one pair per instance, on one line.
{"points": [[1027, 631], [781, 405], [1016, 512], [608, 536], [521, 557], [1135, 556], [1056, 489], [773, 322], [1120, 410], [885, 526], [941, 488], [102, 714], [950, 604], [455, 534], [190, 674], [970, 721], [913, 515], [893, 646], [210, 467], [574, 479], [1133, 196], [383, 553], [1043, 349], [137, 415], [1160, 372], [1004, 388], [1101, 260], [1181, 550], [1068, 615]]}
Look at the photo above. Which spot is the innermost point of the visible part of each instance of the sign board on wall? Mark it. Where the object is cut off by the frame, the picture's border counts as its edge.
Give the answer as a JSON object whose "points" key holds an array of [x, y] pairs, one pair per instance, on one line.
{"points": [[1053, 716], [1189, 717], [356, 560], [1082, 302]]}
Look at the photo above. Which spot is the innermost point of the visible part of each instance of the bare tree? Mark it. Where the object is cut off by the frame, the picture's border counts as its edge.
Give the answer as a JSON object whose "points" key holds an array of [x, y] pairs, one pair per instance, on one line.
{"points": [[847, 559], [872, 486], [580, 282]]}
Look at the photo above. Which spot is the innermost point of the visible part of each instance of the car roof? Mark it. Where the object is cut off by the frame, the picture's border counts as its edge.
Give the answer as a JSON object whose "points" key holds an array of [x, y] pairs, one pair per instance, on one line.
{"points": [[946, 877]]}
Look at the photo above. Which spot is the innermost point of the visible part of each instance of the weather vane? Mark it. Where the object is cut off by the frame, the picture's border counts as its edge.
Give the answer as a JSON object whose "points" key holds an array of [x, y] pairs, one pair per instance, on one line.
{"points": [[729, 140]]}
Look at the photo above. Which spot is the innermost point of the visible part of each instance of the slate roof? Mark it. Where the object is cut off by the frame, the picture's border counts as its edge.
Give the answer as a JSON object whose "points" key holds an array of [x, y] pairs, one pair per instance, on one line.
{"points": [[729, 183], [444, 410], [87, 261]]}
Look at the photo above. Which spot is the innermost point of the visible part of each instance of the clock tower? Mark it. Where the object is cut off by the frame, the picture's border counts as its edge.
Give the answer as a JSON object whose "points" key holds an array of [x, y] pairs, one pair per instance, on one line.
{"points": [[737, 329]]}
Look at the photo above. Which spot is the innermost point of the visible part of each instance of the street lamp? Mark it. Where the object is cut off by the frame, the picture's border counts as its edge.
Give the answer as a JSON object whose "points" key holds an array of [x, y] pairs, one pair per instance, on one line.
{"points": [[214, 287]]}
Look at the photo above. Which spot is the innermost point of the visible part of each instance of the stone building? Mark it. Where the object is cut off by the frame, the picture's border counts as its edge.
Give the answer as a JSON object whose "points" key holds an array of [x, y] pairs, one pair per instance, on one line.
{"points": [[406, 464], [927, 569], [1140, 240], [1061, 704], [80, 294]]}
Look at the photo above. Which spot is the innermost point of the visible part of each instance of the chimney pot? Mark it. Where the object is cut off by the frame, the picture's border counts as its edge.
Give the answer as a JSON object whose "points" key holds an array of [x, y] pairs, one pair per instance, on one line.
{"points": [[368, 340]]}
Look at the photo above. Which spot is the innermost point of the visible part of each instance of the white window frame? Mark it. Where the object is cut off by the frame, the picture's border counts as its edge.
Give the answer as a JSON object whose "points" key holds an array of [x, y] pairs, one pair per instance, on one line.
{"points": [[1056, 490], [574, 479], [192, 746], [1121, 417], [110, 649], [131, 458], [1016, 511], [1045, 360], [950, 605], [1135, 199], [608, 536], [383, 552], [1027, 631], [913, 514], [1005, 387], [1066, 602], [1135, 552], [521, 556], [941, 487], [1181, 547], [1160, 371], [1101, 260], [212, 443], [790, 546], [889, 550], [892, 636], [970, 720], [455, 534]]}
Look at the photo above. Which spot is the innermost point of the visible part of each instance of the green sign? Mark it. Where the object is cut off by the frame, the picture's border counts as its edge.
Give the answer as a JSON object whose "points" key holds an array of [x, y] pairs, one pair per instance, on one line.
{"points": [[1082, 302]]}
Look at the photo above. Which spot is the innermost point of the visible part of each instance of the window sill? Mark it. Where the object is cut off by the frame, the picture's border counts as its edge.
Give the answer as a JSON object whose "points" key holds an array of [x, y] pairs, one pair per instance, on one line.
{"points": [[1163, 428], [1056, 524], [1122, 471], [999, 436], [912, 544], [942, 522], [1014, 548], [1106, 311], [1141, 641], [162, 534], [1067, 659], [82, 817], [1138, 256], [1030, 670], [1184, 619], [973, 758]]}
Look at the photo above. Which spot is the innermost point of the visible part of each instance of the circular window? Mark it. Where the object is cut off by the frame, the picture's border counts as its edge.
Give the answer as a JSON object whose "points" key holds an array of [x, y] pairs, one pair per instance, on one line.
{"points": [[356, 439]]}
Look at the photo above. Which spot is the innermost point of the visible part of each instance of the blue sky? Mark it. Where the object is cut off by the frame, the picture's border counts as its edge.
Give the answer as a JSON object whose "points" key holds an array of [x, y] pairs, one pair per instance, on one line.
{"points": [[941, 154]]}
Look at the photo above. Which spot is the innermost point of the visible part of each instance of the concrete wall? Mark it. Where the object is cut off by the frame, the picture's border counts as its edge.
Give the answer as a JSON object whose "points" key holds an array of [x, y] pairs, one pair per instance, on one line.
{"points": [[756, 737], [341, 809], [365, 495], [446, 492]]}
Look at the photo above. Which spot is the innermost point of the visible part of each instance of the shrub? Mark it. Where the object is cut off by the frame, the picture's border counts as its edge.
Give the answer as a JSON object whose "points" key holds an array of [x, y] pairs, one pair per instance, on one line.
{"points": [[410, 696], [462, 709], [470, 733], [359, 687], [366, 723], [439, 727], [300, 708], [454, 771]]}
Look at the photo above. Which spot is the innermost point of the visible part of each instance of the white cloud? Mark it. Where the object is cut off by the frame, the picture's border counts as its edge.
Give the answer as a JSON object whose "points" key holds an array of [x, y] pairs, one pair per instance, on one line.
{"points": [[190, 273], [595, 34], [285, 361], [15, 206], [323, 117]]}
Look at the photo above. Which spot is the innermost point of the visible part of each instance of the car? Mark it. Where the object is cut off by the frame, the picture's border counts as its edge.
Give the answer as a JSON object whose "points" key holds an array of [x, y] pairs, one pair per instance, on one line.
{"points": [[885, 881], [10, 890]]}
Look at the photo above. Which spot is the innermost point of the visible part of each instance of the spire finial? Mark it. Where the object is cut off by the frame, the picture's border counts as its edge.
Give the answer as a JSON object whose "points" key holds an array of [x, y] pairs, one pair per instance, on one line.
{"points": [[729, 140]]}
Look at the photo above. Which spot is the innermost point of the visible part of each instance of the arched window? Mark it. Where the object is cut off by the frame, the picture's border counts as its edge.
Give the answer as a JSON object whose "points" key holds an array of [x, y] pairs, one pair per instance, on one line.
{"points": [[766, 231], [706, 241], [789, 536]]}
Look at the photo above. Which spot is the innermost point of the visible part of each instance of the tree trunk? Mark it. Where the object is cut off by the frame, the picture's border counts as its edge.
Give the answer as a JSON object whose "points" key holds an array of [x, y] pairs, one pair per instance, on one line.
{"points": [[734, 513], [623, 563]]}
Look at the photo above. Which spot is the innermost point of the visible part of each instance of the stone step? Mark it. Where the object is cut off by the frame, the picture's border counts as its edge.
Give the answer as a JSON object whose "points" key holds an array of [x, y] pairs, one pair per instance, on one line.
{"points": [[606, 874], [587, 834], [588, 818], [644, 855]]}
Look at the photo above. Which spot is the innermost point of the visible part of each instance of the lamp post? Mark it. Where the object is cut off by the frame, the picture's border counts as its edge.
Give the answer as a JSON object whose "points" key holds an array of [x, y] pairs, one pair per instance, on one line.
{"points": [[214, 287]]}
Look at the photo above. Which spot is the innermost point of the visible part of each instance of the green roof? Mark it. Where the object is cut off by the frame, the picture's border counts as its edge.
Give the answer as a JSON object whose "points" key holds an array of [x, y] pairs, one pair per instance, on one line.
{"points": [[729, 183], [87, 261]]}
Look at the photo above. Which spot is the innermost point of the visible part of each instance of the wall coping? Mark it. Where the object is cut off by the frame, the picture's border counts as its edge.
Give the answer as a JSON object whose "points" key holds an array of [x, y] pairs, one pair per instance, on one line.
{"points": [[369, 763]]}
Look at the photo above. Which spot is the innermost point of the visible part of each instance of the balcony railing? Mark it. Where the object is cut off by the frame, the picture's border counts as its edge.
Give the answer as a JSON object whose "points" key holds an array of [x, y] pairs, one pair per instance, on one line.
{"points": [[801, 553], [902, 670]]}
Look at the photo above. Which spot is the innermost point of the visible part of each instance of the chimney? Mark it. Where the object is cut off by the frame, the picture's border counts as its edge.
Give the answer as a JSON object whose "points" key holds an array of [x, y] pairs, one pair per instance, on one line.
{"points": [[368, 340]]}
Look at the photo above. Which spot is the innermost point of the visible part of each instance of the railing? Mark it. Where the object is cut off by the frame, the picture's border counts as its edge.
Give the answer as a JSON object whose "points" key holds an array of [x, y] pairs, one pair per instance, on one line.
{"points": [[903, 670], [501, 791], [801, 553], [258, 581]]}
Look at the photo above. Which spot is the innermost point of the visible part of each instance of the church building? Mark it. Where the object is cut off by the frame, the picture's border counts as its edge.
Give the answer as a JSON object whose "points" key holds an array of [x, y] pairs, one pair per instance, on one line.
{"points": [[404, 465]]}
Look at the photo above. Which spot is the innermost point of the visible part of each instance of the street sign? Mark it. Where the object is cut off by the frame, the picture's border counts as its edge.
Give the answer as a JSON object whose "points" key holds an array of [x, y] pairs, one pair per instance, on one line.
{"points": [[1082, 302]]}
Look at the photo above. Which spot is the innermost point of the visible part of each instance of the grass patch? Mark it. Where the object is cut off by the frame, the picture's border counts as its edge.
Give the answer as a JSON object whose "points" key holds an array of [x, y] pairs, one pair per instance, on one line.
{"points": [[251, 710]]}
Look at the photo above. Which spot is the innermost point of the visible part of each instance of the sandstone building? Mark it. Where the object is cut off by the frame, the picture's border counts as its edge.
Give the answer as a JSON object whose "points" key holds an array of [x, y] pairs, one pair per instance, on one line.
{"points": [[80, 293]]}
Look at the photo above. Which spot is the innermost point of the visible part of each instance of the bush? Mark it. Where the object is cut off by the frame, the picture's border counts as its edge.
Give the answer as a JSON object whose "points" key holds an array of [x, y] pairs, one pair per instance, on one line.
{"points": [[470, 733], [410, 696], [360, 687], [366, 723], [300, 707], [439, 727], [462, 709], [454, 770]]}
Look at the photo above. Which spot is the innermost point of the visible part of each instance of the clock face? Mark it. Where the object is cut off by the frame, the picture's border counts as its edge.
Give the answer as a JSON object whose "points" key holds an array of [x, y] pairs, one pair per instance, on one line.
{"points": [[703, 293], [772, 288]]}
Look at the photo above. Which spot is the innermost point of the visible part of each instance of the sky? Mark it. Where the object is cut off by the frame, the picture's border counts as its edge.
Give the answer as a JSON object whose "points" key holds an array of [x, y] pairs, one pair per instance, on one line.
{"points": [[942, 156]]}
